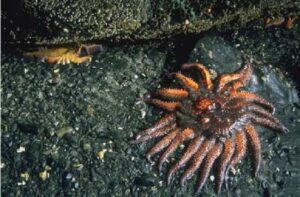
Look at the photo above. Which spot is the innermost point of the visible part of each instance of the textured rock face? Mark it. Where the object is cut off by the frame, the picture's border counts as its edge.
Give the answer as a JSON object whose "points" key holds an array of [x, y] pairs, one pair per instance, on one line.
{"points": [[61, 22], [43, 122]]}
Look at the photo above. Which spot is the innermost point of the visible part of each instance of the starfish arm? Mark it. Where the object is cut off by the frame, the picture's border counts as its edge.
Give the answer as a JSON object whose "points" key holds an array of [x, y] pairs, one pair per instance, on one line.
{"points": [[255, 146], [163, 143], [262, 112], [236, 105], [225, 79], [191, 150], [173, 94], [251, 97], [252, 108], [164, 121], [184, 135], [213, 154], [156, 134], [197, 160], [243, 76], [240, 149], [229, 148], [187, 82], [235, 85], [277, 126], [204, 73], [166, 105]]}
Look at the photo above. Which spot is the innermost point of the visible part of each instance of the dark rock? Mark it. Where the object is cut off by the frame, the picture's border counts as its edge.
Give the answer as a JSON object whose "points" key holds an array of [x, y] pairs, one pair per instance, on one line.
{"points": [[28, 128], [145, 180]]}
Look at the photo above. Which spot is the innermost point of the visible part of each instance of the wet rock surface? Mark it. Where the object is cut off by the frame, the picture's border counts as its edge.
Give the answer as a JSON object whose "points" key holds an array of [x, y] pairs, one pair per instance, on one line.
{"points": [[49, 22], [63, 129], [72, 138]]}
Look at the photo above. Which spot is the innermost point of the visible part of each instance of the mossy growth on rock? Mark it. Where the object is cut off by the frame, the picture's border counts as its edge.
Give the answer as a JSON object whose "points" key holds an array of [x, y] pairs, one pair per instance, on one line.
{"points": [[48, 22]]}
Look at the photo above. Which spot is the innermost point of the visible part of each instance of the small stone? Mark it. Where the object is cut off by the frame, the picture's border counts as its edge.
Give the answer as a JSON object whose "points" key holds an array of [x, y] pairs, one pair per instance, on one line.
{"points": [[25, 175], [21, 149], [101, 154], [69, 176], [66, 30], [87, 147], [28, 128], [44, 175], [63, 131], [2, 165], [79, 166], [21, 183], [186, 22], [145, 180], [210, 54]]}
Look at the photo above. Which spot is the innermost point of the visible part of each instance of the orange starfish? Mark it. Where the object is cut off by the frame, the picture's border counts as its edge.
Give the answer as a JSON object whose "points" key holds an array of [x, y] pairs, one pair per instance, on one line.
{"points": [[216, 117]]}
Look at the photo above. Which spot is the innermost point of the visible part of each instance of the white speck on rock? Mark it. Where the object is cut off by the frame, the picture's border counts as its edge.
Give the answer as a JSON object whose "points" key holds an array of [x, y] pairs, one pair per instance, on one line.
{"points": [[21, 149], [210, 54]]}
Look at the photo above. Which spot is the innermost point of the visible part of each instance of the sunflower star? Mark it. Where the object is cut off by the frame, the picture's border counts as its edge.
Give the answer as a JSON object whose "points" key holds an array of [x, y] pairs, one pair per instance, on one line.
{"points": [[217, 117]]}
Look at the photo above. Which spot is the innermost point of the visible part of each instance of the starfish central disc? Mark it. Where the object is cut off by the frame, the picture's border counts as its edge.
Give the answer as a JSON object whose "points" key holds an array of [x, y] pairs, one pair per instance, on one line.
{"points": [[204, 104]]}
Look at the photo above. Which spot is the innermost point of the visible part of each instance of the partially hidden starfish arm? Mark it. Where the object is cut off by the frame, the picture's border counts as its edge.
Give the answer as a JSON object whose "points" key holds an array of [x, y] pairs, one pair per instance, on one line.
{"points": [[242, 76], [187, 82], [204, 73]]}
